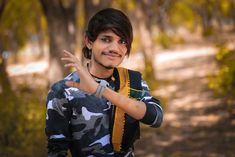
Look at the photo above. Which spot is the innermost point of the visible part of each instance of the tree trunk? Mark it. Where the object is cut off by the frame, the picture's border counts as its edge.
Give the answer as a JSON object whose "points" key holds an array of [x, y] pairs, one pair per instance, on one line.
{"points": [[232, 12], [147, 46], [206, 18], [2, 6], [5, 85], [61, 22], [206, 22], [162, 22], [91, 7]]}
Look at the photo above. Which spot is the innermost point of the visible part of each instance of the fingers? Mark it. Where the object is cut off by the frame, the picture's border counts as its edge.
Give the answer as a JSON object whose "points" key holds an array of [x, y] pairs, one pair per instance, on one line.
{"points": [[67, 53], [67, 59], [73, 61], [72, 84], [71, 65]]}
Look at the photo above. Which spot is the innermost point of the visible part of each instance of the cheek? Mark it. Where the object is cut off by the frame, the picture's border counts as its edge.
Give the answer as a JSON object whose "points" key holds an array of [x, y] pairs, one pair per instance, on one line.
{"points": [[123, 50], [98, 46]]}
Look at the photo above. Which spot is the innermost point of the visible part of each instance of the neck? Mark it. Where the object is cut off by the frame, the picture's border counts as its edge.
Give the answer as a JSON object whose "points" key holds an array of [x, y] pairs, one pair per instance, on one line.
{"points": [[99, 71]]}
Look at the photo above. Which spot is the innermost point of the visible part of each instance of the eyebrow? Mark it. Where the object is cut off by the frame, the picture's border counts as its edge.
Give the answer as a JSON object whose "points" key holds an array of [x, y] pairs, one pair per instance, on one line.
{"points": [[110, 36], [105, 35]]}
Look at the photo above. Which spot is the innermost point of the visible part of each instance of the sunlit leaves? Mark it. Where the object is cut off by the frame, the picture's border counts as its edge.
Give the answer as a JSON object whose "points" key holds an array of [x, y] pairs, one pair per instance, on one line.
{"points": [[225, 7], [224, 81], [182, 15], [22, 118], [130, 6], [19, 21]]}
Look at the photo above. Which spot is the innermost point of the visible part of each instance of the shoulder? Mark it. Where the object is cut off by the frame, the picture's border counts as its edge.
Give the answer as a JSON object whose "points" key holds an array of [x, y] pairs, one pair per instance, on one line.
{"points": [[57, 89], [132, 73], [135, 77], [135, 74], [59, 86], [72, 77]]}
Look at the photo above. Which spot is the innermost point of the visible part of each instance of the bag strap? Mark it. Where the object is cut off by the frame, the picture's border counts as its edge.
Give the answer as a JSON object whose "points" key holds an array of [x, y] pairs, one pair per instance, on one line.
{"points": [[119, 116]]}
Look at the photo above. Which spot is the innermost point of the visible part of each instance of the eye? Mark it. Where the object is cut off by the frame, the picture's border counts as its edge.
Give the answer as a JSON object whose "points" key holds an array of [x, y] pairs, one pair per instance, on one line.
{"points": [[123, 42], [105, 39]]}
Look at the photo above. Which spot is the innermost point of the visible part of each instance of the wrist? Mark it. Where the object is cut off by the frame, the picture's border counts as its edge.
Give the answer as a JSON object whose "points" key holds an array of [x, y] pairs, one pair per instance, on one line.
{"points": [[100, 88]]}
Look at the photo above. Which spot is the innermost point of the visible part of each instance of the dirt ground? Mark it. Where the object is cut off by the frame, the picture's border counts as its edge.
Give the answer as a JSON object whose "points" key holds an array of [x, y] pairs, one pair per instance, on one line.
{"points": [[196, 123]]}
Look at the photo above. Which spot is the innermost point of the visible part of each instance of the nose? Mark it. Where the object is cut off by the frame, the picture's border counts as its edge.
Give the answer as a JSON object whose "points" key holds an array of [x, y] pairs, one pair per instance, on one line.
{"points": [[114, 47]]}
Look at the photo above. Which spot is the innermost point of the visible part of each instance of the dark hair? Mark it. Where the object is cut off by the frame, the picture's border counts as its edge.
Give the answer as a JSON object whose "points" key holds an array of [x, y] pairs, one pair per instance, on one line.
{"points": [[109, 19]]}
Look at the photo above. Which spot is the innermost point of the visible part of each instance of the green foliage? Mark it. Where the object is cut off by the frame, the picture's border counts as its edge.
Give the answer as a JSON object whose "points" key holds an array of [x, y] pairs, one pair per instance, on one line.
{"points": [[223, 54], [163, 39], [148, 75], [130, 6], [22, 123], [19, 21], [181, 14], [208, 15], [225, 7], [166, 40], [208, 31], [224, 81]]}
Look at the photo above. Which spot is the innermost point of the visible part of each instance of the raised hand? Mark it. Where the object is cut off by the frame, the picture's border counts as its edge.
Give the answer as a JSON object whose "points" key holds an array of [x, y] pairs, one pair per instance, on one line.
{"points": [[87, 83]]}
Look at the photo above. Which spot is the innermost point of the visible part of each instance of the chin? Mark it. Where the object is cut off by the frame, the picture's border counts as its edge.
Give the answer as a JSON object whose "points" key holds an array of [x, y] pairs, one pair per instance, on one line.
{"points": [[109, 66]]}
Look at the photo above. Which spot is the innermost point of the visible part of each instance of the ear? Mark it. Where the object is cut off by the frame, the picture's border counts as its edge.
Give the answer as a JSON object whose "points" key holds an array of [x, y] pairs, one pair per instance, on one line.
{"points": [[88, 43]]}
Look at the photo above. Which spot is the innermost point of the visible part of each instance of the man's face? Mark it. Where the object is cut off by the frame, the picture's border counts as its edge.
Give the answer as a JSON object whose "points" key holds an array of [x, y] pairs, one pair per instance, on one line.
{"points": [[108, 49]]}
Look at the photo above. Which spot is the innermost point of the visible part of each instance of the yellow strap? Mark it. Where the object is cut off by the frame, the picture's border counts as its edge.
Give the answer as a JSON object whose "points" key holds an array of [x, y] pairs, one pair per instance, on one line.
{"points": [[119, 118]]}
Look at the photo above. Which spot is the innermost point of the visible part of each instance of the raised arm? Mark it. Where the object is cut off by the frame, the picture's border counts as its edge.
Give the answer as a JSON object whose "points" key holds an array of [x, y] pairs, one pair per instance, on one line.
{"points": [[147, 110]]}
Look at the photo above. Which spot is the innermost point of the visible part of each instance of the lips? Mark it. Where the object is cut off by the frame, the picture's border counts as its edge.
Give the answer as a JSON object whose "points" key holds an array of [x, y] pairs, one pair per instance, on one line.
{"points": [[111, 54]]}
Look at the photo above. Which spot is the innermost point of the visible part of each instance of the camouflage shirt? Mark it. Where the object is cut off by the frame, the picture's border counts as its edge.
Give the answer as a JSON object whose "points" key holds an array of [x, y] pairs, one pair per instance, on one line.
{"points": [[81, 122]]}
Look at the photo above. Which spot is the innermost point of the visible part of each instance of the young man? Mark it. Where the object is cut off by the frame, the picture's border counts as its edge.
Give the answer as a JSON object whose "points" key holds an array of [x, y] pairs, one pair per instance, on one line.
{"points": [[95, 111]]}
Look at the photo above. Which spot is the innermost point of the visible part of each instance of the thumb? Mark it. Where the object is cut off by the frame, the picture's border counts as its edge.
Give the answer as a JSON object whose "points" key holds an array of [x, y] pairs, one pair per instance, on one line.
{"points": [[72, 84]]}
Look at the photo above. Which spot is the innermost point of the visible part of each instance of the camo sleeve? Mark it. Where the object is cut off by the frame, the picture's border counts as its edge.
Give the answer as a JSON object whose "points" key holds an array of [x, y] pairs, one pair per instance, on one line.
{"points": [[57, 121], [154, 113]]}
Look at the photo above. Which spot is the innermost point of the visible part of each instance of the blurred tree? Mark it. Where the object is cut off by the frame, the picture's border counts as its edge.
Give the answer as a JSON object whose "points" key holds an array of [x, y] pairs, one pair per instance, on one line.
{"points": [[2, 6], [15, 31], [161, 9], [144, 26], [213, 14], [205, 9], [5, 85], [61, 20], [232, 11], [92, 6], [149, 14], [181, 15], [223, 83], [17, 25]]}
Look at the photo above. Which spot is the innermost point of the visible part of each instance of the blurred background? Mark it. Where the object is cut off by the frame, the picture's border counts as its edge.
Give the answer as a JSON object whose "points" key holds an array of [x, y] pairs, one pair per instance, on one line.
{"points": [[184, 48]]}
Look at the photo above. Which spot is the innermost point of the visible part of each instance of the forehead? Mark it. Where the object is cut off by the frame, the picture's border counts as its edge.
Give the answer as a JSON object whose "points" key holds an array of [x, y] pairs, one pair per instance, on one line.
{"points": [[109, 33]]}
